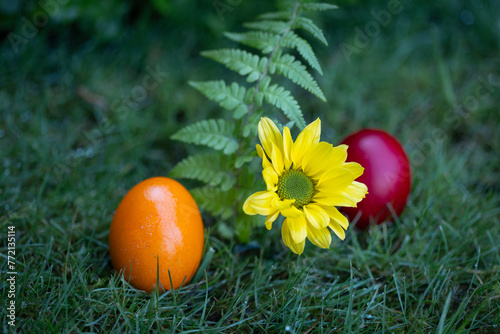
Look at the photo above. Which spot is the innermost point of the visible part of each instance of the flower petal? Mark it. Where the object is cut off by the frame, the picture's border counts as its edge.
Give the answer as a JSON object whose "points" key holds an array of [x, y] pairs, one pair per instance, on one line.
{"points": [[334, 200], [299, 148], [335, 180], [287, 147], [338, 156], [306, 139], [320, 237], [265, 162], [334, 214], [280, 205], [269, 134], [356, 191], [324, 158], [259, 203], [298, 228], [270, 219], [317, 159], [277, 159], [314, 129], [247, 208], [292, 212], [316, 216], [297, 248], [355, 168], [337, 229], [271, 178]]}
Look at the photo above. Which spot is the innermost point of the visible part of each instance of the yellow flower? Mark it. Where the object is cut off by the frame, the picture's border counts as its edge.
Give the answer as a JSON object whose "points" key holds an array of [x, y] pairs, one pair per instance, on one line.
{"points": [[305, 180]]}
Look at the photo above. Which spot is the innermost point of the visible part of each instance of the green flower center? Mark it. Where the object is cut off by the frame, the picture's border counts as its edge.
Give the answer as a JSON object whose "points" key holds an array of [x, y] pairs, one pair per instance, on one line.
{"points": [[294, 184]]}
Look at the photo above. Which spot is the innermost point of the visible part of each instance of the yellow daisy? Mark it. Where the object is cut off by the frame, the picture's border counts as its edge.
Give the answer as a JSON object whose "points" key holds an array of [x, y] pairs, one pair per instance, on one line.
{"points": [[305, 180]]}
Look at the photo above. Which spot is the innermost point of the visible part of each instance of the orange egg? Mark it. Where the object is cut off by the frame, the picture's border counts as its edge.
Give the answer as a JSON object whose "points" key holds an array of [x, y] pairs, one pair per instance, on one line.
{"points": [[157, 228]]}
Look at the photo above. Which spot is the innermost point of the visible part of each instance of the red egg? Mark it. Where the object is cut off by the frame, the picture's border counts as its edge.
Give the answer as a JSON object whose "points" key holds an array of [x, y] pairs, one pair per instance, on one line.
{"points": [[387, 175]]}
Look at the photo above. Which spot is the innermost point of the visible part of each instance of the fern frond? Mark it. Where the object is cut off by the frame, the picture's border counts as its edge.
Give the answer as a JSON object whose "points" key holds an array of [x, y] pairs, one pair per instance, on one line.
{"points": [[216, 201], [240, 61], [277, 27], [316, 6], [282, 99], [293, 69], [261, 40], [281, 15], [309, 26], [217, 134], [292, 40], [229, 97], [211, 168]]}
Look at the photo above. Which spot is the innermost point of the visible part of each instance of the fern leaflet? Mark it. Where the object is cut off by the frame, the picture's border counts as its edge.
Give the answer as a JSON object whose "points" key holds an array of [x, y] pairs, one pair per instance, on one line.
{"points": [[277, 27], [240, 61], [295, 71], [211, 168], [217, 134], [229, 97], [263, 41], [217, 202], [315, 6], [292, 40], [281, 15], [282, 99], [309, 26]]}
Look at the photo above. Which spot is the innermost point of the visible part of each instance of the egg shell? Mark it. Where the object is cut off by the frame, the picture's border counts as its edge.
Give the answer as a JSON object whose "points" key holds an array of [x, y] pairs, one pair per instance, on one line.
{"points": [[387, 175], [157, 231]]}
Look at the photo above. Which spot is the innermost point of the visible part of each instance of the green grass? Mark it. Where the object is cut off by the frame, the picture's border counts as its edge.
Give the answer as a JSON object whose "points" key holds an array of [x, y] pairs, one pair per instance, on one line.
{"points": [[435, 269]]}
